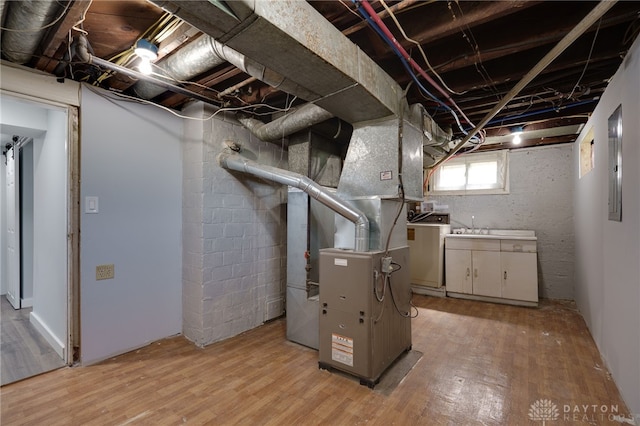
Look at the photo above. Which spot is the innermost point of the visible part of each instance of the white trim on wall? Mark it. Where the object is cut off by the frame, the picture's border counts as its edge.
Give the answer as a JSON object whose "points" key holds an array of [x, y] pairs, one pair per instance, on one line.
{"points": [[49, 336]]}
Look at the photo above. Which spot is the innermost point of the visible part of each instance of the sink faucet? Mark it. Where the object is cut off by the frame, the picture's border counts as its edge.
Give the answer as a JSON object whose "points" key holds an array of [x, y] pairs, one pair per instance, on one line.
{"points": [[472, 226]]}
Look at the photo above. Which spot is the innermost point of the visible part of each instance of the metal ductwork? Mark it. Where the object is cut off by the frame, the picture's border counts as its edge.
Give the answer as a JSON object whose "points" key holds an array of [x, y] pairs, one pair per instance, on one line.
{"points": [[302, 118], [285, 177], [314, 61], [28, 18], [193, 59]]}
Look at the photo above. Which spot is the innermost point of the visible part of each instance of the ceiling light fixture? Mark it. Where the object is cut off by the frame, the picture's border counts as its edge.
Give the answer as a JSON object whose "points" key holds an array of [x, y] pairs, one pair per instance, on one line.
{"points": [[516, 132], [147, 52]]}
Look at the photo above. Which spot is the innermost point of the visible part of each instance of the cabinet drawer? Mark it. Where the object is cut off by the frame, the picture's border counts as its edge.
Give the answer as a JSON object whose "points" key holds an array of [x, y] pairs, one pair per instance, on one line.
{"points": [[522, 246], [472, 244]]}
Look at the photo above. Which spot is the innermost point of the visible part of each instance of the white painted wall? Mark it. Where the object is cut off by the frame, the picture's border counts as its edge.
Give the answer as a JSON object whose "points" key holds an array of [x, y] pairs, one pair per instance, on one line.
{"points": [[131, 160], [234, 233], [540, 199], [608, 252], [50, 171]]}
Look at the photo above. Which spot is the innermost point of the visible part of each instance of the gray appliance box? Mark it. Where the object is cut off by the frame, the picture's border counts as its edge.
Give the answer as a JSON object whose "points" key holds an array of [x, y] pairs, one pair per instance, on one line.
{"points": [[359, 334]]}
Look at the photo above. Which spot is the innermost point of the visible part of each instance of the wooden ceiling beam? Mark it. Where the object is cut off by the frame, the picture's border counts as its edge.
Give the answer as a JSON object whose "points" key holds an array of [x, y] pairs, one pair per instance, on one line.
{"points": [[477, 13], [209, 80], [528, 143], [55, 38]]}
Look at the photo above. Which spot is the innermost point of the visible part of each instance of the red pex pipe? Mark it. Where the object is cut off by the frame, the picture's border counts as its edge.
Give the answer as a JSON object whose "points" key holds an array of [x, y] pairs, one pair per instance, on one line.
{"points": [[372, 13]]}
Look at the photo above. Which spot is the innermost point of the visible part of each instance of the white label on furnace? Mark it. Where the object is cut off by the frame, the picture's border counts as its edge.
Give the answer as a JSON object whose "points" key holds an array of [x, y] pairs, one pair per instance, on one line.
{"points": [[340, 262], [386, 175], [342, 349]]}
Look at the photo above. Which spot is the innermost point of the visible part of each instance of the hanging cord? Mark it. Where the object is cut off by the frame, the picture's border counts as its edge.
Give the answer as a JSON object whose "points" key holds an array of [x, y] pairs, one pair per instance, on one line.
{"points": [[593, 43], [393, 299], [424, 55]]}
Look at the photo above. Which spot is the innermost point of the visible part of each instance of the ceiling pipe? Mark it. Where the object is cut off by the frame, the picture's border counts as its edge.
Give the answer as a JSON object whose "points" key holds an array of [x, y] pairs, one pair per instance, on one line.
{"points": [[285, 177], [302, 118], [2, 9], [206, 53], [81, 47], [236, 87], [562, 45], [193, 59], [28, 20]]}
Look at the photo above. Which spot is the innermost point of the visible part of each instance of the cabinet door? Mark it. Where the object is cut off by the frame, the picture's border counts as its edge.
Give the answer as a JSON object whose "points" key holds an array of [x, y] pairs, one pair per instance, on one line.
{"points": [[519, 276], [486, 273], [458, 271]]}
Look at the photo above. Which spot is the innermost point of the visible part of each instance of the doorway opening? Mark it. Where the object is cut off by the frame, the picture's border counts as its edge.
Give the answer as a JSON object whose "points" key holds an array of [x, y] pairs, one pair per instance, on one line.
{"points": [[38, 237]]}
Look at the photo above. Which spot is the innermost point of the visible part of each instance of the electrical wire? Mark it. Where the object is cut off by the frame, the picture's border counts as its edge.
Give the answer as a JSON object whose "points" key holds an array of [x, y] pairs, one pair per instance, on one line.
{"points": [[82, 18], [218, 111], [424, 55], [342, 2], [376, 24], [390, 39], [33, 30], [406, 65], [542, 111], [395, 304], [593, 43], [474, 46]]}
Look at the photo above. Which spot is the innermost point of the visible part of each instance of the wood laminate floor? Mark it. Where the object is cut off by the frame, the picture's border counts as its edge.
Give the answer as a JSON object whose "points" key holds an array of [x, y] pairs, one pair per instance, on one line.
{"points": [[23, 350], [482, 363]]}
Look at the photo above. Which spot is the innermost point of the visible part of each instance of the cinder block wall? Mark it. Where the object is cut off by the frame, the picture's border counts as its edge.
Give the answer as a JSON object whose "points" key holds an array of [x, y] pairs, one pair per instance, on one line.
{"points": [[541, 199], [234, 233]]}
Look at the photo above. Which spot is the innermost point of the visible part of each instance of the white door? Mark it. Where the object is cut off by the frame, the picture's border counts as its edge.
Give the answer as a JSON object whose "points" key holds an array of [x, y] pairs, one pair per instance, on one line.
{"points": [[13, 228]]}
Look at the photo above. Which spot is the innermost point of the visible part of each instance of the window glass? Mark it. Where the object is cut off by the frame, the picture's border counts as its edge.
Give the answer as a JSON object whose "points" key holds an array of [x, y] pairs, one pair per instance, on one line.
{"points": [[473, 173]]}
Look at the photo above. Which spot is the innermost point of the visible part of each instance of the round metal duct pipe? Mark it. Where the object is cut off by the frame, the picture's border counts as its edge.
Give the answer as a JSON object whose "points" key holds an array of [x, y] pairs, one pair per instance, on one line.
{"points": [[27, 18], [195, 58], [285, 177], [302, 118]]}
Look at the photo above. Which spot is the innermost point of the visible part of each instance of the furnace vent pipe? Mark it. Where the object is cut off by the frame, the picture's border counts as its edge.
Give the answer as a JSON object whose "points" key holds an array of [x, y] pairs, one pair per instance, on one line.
{"points": [[302, 118], [28, 19], [285, 177]]}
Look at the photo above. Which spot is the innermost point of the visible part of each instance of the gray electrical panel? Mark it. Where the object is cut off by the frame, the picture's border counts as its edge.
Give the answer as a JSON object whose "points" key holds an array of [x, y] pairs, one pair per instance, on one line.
{"points": [[364, 319]]}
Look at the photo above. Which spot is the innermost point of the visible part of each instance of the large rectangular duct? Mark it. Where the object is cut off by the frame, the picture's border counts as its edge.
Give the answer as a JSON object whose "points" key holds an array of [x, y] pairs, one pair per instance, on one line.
{"points": [[376, 154], [290, 38]]}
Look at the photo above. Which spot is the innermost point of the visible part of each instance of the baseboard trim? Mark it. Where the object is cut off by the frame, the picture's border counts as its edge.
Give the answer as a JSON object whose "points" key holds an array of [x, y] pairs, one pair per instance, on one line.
{"points": [[27, 303], [46, 332]]}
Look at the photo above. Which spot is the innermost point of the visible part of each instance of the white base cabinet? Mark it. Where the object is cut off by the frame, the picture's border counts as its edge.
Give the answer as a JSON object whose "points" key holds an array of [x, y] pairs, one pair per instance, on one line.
{"points": [[490, 268]]}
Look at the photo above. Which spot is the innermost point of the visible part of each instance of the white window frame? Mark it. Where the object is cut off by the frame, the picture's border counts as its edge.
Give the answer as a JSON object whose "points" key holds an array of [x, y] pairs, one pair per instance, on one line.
{"points": [[466, 161]]}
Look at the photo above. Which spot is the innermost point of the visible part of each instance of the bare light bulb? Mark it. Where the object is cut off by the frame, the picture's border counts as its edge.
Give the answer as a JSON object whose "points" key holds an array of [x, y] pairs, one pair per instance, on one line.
{"points": [[144, 66], [516, 139]]}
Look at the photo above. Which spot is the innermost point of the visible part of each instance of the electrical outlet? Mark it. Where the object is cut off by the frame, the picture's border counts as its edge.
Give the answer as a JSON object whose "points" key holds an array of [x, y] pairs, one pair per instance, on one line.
{"points": [[386, 265], [105, 272]]}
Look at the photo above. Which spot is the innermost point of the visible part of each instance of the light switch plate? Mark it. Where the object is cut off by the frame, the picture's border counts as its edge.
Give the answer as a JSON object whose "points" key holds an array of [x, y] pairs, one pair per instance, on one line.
{"points": [[91, 204]]}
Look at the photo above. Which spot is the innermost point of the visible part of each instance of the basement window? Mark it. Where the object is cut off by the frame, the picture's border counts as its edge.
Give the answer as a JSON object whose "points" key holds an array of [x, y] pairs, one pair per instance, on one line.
{"points": [[587, 154], [482, 173]]}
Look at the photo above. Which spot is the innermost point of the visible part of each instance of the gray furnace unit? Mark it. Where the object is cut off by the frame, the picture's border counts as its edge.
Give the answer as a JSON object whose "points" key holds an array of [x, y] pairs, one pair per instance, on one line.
{"points": [[365, 319]]}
